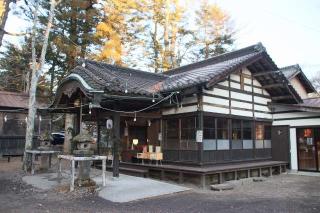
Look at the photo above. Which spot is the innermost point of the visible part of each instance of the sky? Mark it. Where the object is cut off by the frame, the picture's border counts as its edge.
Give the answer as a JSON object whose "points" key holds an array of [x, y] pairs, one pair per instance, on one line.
{"points": [[289, 29]]}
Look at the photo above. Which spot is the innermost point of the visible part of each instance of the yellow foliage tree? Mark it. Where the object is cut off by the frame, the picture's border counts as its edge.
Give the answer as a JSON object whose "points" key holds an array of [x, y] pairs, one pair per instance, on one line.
{"points": [[116, 29], [215, 33]]}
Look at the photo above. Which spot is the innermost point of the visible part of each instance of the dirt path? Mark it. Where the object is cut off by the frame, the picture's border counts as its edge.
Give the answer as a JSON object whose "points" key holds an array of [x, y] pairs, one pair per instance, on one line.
{"points": [[284, 193]]}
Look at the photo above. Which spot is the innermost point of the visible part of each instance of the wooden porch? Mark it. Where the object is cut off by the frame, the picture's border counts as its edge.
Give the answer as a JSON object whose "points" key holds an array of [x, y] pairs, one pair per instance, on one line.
{"points": [[206, 175]]}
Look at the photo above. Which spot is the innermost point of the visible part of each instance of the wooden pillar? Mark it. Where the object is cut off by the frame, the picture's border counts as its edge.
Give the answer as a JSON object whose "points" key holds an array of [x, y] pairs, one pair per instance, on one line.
{"points": [[69, 129], [162, 174], [180, 177], [203, 181], [116, 141], [200, 128], [221, 179], [98, 130]]}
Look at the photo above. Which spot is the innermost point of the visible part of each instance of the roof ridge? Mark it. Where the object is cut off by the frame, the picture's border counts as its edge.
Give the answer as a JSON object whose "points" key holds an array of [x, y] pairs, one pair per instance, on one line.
{"points": [[291, 66], [121, 68], [225, 56]]}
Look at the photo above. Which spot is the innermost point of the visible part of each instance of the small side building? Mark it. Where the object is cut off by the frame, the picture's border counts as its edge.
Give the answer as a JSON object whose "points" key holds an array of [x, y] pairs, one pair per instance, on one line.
{"points": [[13, 117]]}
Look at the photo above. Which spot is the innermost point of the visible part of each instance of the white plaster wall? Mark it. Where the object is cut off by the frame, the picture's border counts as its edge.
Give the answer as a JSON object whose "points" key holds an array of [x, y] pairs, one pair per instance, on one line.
{"points": [[178, 110], [293, 149], [295, 82], [300, 122]]}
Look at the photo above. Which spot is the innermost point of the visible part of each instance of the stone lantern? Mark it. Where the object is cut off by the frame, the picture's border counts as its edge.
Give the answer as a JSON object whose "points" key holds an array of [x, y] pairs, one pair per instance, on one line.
{"points": [[45, 144], [82, 144]]}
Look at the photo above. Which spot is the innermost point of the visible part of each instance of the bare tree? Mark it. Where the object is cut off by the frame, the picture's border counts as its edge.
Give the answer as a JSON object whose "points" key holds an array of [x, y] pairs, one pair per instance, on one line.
{"points": [[316, 81], [37, 71]]}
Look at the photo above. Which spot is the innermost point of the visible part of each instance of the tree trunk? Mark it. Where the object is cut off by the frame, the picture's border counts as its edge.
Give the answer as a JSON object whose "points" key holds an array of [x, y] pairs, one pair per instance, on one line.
{"points": [[4, 11], [166, 55], [37, 70]]}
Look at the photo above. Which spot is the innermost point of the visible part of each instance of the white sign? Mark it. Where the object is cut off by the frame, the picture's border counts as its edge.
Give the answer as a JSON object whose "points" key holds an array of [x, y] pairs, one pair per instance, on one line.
{"points": [[109, 124], [199, 136], [160, 136]]}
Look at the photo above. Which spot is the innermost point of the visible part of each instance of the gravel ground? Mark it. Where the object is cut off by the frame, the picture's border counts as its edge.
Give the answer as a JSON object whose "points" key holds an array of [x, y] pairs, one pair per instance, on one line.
{"points": [[282, 193]]}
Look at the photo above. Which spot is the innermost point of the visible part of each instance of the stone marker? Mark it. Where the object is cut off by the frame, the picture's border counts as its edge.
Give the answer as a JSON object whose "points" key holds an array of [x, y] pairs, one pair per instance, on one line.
{"points": [[222, 187], [259, 179]]}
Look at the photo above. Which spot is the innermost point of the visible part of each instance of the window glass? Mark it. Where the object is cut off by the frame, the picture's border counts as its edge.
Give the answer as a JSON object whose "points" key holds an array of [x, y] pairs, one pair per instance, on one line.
{"points": [[222, 128], [209, 127], [188, 128], [247, 144], [267, 132], [259, 131], [236, 130], [223, 145], [173, 128], [259, 144], [247, 130]]}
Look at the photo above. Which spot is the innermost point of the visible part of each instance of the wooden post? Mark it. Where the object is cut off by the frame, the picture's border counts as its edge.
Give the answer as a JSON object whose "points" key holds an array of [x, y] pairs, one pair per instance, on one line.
{"points": [[200, 145], [260, 171], [162, 175], [248, 174], [59, 172], [221, 180], [203, 181], [116, 130], [180, 177], [32, 163], [50, 159], [72, 175], [69, 127], [104, 172], [235, 175], [270, 171]]}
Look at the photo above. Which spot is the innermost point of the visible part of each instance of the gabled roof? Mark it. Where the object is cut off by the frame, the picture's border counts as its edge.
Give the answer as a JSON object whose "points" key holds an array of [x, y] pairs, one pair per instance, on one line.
{"points": [[105, 77], [13, 100], [295, 71], [214, 69], [102, 77], [18, 100]]}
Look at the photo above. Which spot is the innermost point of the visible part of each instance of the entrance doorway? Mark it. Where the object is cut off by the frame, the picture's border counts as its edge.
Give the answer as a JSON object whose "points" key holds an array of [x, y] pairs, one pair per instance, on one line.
{"points": [[308, 144]]}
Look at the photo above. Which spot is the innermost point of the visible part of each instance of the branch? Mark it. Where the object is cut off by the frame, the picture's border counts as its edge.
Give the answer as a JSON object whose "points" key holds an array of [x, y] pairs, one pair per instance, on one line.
{"points": [[13, 34], [53, 4]]}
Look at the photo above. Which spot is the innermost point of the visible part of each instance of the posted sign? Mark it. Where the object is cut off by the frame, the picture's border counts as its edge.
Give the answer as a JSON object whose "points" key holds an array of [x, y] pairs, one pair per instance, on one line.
{"points": [[199, 136]]}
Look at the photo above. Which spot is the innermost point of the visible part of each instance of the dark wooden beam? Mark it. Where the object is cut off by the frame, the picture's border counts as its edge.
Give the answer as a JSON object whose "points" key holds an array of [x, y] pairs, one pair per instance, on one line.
{"points": [[265, 73], [283, 97], [273, 85]]}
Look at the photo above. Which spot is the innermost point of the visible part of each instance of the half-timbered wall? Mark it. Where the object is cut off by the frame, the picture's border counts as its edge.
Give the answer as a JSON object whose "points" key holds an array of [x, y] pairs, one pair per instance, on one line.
{"points": [[239, 95]]}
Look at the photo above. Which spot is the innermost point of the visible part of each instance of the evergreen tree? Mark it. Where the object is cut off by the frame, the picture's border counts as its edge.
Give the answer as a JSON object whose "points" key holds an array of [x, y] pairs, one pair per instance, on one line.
{"points": [[72, 34], [214, 34], [168, 37], [15, 69]]}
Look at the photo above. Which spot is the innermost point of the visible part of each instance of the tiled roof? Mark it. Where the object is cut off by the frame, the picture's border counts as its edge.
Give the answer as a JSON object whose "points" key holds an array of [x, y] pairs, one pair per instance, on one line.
{"points": [[311, 102], [106, 77], [102, 76], [290, 71], [13, 100], [17, 100], [295, 70]]}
